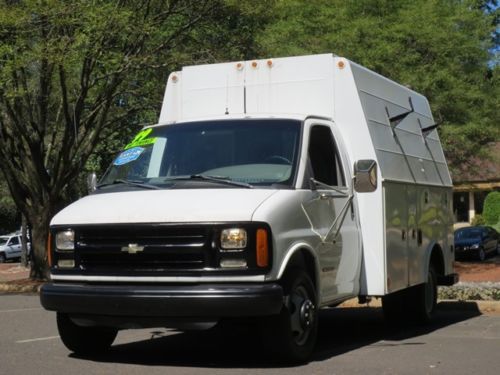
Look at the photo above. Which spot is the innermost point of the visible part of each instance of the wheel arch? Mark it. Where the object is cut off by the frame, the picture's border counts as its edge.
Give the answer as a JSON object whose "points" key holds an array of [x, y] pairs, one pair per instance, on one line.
{"points": [[435, 258], [302, 255]]}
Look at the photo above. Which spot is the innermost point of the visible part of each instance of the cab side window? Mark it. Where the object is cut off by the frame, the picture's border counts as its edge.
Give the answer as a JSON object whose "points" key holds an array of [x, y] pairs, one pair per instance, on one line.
{"points": [[14, 241], [324, 161]]}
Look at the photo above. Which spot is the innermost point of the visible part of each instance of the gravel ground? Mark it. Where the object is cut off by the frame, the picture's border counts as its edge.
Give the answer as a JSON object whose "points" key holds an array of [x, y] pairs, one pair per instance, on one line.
{"points": [[471, 291]]}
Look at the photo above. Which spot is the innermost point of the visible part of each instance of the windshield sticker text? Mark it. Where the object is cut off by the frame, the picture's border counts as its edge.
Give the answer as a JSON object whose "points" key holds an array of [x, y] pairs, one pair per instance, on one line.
{"points": [[128, 155], [141, 139]]}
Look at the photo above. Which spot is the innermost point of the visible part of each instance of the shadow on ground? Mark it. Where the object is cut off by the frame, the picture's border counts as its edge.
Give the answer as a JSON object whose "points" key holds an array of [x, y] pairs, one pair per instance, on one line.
{"points": [[237, 346]]}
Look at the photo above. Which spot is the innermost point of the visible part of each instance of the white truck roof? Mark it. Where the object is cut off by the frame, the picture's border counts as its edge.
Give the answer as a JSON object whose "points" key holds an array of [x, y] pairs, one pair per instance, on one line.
{"points": [[359, 101]]}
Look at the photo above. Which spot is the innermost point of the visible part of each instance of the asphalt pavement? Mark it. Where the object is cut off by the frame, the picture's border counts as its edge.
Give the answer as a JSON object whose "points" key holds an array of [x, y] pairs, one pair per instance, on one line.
{"points": [[351, 341]]}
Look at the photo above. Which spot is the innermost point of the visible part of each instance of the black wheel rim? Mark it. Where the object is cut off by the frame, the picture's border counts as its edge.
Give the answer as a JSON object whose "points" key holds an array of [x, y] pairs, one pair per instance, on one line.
{"points": [[302, 314]]}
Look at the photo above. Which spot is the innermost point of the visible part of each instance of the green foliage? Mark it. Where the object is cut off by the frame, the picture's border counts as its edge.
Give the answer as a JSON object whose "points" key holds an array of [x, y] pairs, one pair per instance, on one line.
{"points": [[78, 78], [9, 215], [491, 208], [439, 48], [478, 219]]}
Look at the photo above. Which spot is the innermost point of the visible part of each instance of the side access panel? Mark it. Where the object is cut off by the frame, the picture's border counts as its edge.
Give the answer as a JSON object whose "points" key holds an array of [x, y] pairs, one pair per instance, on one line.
{"points": [[396, 235], [416, 219]]}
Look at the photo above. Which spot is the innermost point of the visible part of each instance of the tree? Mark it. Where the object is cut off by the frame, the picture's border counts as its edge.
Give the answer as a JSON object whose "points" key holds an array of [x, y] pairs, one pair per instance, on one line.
{"points": [[67, 69], [443, 49], [491, 211]]}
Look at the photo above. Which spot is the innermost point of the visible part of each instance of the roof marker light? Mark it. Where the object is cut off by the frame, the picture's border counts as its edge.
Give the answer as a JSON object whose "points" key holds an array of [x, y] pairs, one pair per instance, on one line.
{"points": [[175, 78], [270, 63], [254, 64], [239, 66], [341, 64]]}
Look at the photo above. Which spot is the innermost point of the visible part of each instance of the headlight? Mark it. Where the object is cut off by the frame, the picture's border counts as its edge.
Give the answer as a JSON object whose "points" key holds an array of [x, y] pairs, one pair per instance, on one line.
{"points": [[475, 246], [233, 238], [65, 241]]}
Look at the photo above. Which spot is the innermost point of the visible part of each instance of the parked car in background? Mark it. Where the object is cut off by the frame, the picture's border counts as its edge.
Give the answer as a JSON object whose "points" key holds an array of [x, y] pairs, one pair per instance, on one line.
{"points": [[476, 242], [11, 247]]}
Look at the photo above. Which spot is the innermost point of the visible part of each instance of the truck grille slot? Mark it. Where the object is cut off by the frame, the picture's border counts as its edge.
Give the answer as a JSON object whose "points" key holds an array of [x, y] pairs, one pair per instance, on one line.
{"points": [[144, 249]]}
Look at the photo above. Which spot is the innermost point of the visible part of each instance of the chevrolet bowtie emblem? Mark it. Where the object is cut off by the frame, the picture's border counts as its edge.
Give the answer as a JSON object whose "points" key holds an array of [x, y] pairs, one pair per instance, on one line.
{"points": [[132, 248]]}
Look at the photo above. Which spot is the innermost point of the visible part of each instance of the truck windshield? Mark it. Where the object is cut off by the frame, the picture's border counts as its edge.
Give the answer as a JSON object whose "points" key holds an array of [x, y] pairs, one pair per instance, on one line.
{"points": [[227, 153]]}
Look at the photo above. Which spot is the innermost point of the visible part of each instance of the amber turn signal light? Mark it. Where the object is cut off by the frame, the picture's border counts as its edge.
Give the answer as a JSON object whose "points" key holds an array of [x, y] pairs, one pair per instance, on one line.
{"points": [[49, 250], [262, 248]]}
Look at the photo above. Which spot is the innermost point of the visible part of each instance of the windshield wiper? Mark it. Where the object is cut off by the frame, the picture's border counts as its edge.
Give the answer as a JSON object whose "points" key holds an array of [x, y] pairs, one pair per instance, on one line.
{"points": [[217, 179], [130, 183]]}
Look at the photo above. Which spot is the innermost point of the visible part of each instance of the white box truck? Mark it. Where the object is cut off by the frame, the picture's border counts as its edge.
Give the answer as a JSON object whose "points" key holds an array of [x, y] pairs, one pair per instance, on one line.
{"points": [[268, 190]]}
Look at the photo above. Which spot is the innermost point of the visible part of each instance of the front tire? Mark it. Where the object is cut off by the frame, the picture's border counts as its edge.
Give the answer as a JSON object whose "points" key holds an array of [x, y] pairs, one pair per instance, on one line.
{"points": [[3, 259], [292, 334], [84, 340], [481, 254]]}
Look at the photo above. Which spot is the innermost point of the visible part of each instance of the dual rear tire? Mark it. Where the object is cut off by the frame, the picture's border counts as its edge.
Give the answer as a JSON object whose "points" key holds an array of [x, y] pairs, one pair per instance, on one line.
{"points": [[417, 303]]}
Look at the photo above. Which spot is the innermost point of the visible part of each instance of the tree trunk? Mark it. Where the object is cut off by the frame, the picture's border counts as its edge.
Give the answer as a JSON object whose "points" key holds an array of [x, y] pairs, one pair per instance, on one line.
{"points": [[24, 242], [39, 232]]}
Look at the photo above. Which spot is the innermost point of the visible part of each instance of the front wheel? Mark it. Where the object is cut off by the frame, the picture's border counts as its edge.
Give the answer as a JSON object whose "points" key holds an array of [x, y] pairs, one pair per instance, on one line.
{"points": [[84, 340], [3, 259], [292, 334], [481, 255]]}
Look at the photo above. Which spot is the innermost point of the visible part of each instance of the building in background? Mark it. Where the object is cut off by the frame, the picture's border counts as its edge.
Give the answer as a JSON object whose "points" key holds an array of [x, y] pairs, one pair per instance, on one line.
{"points": [[472, 184]]}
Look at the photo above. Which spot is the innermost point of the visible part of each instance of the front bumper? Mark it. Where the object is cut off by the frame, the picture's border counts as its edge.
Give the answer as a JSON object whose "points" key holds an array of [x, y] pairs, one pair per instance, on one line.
{"points": [[186, 301], [466, 254]]}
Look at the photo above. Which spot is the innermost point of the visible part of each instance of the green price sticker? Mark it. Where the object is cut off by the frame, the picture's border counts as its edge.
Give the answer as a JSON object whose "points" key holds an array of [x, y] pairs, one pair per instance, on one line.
{"points": [[141, 139]]}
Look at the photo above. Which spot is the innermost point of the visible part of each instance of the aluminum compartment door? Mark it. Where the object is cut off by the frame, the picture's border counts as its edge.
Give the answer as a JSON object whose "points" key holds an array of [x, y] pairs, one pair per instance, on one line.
{"points": [[415, 252], [396, 219]]}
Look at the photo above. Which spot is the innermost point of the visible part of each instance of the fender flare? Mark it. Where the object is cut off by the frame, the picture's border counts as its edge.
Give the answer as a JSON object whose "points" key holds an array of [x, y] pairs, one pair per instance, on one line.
{"points": [[294, 249], [433, 246]]}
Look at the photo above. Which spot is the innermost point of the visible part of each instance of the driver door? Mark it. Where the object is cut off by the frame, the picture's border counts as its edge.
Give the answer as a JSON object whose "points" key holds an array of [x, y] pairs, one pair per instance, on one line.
{"points": [[14, 247], [330, 211]]}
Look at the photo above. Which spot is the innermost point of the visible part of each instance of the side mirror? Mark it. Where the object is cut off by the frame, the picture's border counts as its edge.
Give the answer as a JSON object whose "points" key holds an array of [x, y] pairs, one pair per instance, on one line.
{"points": [[365, 176], [91, 182]]}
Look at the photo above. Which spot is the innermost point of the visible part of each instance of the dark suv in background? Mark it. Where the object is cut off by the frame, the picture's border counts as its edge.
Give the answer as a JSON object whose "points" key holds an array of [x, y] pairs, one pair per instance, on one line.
{"points": [[476, 242]]}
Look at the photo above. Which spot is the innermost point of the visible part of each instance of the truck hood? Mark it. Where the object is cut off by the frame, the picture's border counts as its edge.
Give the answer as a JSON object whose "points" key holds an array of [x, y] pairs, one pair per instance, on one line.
{"points": [[164, 206]]}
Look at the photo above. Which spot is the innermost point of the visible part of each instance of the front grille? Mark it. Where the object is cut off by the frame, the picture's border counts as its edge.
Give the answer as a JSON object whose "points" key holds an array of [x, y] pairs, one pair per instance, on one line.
{"points": [[143, 249]]}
